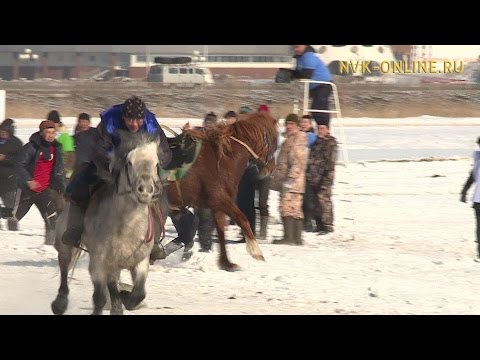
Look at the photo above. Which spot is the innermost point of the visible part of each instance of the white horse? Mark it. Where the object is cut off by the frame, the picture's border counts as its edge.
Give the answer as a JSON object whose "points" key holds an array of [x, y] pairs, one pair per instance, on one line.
{"points": [[119, 226]]}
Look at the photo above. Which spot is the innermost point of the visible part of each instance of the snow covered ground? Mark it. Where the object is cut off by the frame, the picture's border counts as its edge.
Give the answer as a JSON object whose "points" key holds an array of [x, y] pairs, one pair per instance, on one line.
{"points": [[410, 249]]}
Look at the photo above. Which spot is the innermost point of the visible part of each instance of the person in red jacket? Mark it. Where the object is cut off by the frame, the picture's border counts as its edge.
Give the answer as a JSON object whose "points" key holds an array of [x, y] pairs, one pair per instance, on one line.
{"points": [[40, 177]]}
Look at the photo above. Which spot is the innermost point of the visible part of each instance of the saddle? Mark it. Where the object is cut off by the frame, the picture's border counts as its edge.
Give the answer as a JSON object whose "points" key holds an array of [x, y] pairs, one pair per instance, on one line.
{"points": [[185, 150]]}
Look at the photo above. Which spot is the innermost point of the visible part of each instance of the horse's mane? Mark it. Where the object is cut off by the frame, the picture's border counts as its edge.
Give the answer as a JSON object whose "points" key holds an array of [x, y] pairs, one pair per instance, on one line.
{"points": [[251, 127], [130, 141]]}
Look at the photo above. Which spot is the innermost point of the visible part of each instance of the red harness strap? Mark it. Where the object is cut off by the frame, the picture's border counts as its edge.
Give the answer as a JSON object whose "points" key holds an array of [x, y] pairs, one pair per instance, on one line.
{"points": [[151, 226]]}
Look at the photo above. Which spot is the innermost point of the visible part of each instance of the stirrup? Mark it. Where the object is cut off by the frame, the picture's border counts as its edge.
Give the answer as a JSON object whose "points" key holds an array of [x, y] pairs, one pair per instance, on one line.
{"points": [[173, 246]]}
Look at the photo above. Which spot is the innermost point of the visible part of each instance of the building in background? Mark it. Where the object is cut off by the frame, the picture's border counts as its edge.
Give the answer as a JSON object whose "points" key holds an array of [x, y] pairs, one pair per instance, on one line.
{"points": [[106, 61], [253, 61]]}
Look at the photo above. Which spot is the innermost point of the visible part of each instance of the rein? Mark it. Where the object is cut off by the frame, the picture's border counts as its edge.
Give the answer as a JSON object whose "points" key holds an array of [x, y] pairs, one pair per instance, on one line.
{"points": [[150, 228], [170, 130], [249, 149]]}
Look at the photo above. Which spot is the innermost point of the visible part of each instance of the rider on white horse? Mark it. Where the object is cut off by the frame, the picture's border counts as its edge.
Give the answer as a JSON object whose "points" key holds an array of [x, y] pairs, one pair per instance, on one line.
{"points": [[133, 116]]}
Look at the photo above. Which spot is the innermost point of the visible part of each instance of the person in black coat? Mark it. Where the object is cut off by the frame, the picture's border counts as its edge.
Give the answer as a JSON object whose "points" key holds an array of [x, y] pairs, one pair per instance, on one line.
{"points": [[41, 178], [10, 146]]}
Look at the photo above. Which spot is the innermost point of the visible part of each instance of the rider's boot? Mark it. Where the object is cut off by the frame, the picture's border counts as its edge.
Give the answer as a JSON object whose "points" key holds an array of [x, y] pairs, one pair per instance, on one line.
{"points": [[73, 235]]}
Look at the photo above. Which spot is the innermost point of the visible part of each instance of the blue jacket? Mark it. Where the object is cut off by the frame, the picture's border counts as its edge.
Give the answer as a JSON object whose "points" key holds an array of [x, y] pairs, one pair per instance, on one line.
{"points": [[111, 121], [311, 138], [310, 60]]}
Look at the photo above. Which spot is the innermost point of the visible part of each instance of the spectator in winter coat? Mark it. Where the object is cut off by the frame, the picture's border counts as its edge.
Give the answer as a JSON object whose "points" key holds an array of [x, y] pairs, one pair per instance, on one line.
{"points": [[41, 178], [10, 146], [474, 178], [289, 180], [66, 140], [320, 176], [263, 190]]}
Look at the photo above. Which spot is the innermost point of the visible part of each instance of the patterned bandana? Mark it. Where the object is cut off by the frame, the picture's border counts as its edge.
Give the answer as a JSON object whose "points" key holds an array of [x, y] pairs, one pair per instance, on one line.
{"points": [[134, 108]]}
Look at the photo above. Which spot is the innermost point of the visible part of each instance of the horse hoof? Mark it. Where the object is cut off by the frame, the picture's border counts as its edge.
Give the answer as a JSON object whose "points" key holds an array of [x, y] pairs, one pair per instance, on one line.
{"points": [[129, 302], [59, 305], [231, 267], [259, 257], [187, 255]]}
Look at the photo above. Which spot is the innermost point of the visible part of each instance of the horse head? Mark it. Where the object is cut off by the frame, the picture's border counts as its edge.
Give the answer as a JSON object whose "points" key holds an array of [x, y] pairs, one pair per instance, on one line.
{"points": [[264, 139], [137, 167]]}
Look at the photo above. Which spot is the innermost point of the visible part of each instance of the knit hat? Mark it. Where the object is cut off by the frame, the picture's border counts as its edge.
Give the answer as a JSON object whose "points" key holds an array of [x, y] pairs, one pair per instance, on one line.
{"points": [[245, 110], [293, 118], [263, 108], [84, 116], [134, 108], [54, 116], [46, 124]]}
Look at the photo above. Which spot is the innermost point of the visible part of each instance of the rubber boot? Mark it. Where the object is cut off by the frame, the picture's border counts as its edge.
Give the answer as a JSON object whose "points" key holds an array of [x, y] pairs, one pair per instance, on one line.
{"points": [[298, 229], [205, 228], [73, 235], [12, 224], [308, 222], [290, 238], [320, 227], [287, 231], [263, 227]]}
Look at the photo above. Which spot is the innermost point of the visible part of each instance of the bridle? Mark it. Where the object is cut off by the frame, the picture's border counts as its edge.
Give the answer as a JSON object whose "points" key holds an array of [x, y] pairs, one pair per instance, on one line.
{"points": [[129, 189], [261, 163]]}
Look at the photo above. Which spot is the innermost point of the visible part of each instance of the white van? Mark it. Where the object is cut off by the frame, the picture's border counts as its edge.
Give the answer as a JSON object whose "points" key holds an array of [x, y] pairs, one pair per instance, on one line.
{"points": [[183, 74]]}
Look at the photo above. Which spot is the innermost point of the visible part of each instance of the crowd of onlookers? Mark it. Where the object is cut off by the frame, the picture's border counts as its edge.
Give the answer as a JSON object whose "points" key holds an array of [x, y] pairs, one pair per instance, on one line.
{"points": [[304, 176], [39, 171]]}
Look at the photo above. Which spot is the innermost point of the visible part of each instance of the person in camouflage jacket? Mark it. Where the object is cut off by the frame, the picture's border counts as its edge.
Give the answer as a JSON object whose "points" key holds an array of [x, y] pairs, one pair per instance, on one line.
{"points": [[321, 175], [289, 180]]}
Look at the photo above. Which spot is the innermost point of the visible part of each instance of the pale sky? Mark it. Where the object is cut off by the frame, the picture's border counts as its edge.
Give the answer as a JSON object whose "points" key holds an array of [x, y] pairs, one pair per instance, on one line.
{"points": [[456, 52]]}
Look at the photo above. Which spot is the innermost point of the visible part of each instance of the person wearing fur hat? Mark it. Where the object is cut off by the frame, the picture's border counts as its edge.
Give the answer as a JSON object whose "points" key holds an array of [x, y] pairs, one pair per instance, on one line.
{"points": [[10, 146], [40, 177]]}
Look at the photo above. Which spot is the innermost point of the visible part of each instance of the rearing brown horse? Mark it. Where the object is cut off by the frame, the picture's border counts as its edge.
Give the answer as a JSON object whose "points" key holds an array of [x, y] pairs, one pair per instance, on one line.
{"points": [[212, 181]]}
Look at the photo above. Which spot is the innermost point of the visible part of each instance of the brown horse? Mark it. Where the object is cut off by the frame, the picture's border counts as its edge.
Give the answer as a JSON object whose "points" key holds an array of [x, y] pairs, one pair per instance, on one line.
{"points": [[212, 181]]}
